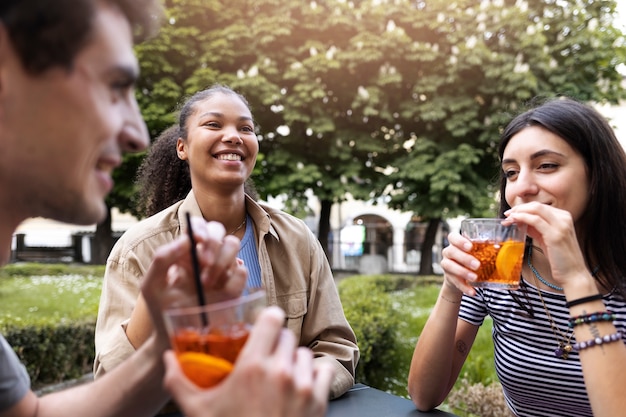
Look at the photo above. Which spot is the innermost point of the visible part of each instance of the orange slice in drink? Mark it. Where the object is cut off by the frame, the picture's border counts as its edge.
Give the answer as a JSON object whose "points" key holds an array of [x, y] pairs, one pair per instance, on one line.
{"points": [[509, 261], [204, 370]]}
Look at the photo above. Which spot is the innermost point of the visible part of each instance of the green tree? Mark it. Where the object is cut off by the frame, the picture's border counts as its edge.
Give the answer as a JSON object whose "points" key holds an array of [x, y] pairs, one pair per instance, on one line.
{"points": [[400, 99], [475, 66]]}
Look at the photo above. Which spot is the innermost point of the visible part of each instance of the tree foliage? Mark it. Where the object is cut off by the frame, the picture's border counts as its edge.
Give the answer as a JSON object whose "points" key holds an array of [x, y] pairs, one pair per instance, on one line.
{"points": [[402, 99]]}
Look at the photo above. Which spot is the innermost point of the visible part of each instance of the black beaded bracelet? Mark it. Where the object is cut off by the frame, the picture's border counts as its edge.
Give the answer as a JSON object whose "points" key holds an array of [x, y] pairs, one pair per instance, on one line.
{"points": [[591, 318], [583, 300], [609, 338]]}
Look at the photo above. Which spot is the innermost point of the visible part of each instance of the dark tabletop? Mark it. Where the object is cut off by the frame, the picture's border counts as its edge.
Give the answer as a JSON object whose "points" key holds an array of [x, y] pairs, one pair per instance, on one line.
{"points": [[364, 401]]}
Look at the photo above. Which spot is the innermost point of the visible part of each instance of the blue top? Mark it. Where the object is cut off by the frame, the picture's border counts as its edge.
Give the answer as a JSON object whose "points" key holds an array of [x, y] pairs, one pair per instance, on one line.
{"points": [[248, 252]]}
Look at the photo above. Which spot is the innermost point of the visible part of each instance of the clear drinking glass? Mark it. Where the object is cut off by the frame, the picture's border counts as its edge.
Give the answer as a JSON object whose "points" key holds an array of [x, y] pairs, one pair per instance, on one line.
{"points": [[500, 250]]}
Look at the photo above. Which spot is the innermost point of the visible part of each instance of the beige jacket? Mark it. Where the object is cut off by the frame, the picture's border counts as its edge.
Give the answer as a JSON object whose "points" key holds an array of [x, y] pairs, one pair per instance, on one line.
{"points": [[294, 271]]}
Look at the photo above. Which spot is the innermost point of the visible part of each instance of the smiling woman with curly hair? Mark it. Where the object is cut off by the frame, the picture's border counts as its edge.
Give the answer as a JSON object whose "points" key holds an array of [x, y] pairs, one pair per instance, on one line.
{"points": [[202, 166]]}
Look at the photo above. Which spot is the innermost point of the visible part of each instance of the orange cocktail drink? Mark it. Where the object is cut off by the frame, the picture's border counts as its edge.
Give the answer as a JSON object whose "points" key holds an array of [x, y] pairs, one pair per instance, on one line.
{"points": [[208, 358], [500, 250], [500, 263], [207, 340]]}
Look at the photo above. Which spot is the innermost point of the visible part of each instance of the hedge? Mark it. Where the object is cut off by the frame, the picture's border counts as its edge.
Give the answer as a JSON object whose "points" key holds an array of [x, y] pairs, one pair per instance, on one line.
{"points": [[53, 353], [368, 307]]}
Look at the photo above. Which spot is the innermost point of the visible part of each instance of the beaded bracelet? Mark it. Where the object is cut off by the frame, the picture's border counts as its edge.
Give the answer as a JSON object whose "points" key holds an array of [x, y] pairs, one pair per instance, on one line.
{"points": [[598, 341], [591, 318]]}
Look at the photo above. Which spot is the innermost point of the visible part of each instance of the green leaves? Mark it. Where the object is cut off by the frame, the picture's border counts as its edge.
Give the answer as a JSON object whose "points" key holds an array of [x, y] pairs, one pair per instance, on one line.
{"points": [[399, 99]]}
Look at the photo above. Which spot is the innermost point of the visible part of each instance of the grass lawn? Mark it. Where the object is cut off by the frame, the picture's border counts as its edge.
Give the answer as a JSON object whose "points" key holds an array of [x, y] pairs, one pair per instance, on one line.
{"points": [[40, 293], [48, 293]]}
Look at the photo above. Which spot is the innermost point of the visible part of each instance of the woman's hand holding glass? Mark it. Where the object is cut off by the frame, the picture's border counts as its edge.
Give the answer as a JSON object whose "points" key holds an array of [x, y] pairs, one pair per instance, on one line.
{"points": [[552, 231], [458, 264]]}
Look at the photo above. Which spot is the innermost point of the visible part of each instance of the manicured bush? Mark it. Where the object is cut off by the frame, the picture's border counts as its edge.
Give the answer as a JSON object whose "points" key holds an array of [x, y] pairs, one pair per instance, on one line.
{"points": [[53, 353], [369, 309], [388, 313]]}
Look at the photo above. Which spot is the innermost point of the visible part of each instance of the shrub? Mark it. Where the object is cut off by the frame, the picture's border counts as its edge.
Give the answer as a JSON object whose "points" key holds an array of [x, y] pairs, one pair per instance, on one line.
{"points": [[369, 310], [53, 353], [387, 313]]}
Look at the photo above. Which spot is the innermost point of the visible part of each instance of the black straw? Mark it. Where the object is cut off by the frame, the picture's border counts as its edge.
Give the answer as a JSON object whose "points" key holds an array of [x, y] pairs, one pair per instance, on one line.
{"points": [[196, 268]]}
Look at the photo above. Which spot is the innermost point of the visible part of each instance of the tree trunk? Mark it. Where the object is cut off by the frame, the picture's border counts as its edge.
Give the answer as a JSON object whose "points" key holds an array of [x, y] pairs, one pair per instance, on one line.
{"points": [[426, 262], [102, 241], [324, 227]]}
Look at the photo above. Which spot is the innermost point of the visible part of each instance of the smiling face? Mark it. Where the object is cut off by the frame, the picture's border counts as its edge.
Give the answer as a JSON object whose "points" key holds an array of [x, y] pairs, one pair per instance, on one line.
{"points": [[63, 132], [221, 145], [541, 166]]}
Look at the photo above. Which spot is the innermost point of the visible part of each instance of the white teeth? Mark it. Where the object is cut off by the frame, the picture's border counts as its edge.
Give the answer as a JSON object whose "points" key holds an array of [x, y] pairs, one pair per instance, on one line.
{"points": [[229, 157]]}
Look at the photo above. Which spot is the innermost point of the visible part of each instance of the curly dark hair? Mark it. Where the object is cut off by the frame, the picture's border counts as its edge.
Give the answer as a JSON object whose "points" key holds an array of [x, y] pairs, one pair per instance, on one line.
{"points": [[163, 178], [49, 33], [602, 233]]}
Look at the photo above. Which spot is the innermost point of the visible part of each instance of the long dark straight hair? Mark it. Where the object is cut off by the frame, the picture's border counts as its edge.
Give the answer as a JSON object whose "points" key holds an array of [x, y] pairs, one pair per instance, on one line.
{"points": [[601, 230]]}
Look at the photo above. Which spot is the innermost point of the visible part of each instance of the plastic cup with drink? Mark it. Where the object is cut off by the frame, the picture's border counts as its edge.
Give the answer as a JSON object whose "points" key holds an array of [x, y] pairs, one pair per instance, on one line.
{"points": [[207, 339]]}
